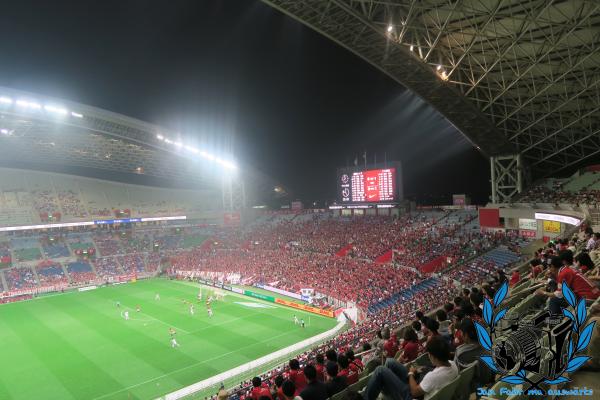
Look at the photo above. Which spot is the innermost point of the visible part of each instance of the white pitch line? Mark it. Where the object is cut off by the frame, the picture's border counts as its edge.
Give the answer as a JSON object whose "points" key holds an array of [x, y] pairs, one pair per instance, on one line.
{"points": [[190, 366]]}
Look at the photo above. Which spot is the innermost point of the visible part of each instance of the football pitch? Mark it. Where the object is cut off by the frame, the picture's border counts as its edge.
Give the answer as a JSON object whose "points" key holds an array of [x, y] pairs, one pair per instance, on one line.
{"points": [[78, 345]]}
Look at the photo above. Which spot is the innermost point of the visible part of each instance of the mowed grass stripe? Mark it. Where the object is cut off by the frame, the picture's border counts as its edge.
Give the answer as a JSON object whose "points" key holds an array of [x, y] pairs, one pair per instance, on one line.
{"points": [[129, 341], [135, 356], [79, 375], [20, 366]]}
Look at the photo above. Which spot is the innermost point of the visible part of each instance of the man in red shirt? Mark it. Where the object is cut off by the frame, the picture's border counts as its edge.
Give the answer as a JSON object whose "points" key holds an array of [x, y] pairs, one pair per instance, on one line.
{"points": [[514, 278], [355, 364], [345, 370], [561, 272], [536, 268], [295, 375], [390, 345], [320, 367], [259, 389]]}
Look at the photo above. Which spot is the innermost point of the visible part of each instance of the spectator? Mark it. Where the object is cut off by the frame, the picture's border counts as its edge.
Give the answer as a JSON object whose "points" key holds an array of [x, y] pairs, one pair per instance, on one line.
{"points": [[314, 389], [289, 391], [390, 346], [320, 367], [449, 308], [335, 383], [514, 278], [345, 371], [431, 328], [355, 364], [470, 350], [583, 263], [400, 384], [410, 346], [331, 355], [561, 273], [536, 268], [295, 375], [259, 389], [442, 318]]}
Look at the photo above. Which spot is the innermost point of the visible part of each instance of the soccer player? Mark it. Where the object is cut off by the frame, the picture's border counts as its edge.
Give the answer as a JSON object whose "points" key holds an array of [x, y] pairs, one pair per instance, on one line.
{"points": [[174, 342], [200, 295], [118, 304], [192, 309], [157, 297], [138, 308], [172, 332], [296, 322], [302, 322], [210, 312], [126, 314]]}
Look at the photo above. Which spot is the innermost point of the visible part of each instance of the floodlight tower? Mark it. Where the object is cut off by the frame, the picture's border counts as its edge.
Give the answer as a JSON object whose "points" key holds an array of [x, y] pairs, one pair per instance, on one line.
{"points": [[233, 191]]}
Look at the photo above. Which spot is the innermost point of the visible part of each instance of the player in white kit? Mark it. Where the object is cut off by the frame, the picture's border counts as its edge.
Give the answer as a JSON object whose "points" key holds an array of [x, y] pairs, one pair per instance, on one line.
{"points": [[126, 314], [210, 312], [296, 322], [174, 342], [157, 297], [192, 311]]}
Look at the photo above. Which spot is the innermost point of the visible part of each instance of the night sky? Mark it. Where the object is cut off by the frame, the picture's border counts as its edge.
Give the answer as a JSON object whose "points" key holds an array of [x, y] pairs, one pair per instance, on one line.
{"points": [[242, 77]]}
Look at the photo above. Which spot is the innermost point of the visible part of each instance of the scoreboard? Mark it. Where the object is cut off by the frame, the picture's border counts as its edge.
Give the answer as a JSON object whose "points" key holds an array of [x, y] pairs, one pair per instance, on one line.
{"points": [[368, 186]]}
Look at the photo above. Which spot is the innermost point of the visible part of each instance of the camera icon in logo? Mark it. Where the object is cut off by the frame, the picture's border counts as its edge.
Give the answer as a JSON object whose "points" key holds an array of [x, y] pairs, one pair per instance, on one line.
{"points": [[537, 343]]}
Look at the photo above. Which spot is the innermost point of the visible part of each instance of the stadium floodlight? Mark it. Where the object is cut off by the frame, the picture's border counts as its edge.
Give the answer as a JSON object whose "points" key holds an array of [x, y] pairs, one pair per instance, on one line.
{"points": [[168, 141], [4, 131], [192, 149], [438, 67], [28, 104], [208, 156], [6, 100], [178, 144], [160, 137], [412, 47], [76, 115], [390, 28], [55, 109]]}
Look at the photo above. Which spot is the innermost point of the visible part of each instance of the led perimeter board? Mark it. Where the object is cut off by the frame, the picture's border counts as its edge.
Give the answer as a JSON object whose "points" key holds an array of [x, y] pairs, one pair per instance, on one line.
{"points": [[376, 184]]}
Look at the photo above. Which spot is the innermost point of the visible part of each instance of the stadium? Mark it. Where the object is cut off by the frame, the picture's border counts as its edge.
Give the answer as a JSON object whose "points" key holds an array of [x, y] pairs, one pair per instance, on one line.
{"points": [[137, 265]]}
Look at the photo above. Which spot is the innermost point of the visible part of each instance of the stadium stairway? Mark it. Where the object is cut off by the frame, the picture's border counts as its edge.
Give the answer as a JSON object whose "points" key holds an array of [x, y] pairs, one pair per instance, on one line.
{"points": [[344, 250], [403, 295], [64, 268], [3, 281], [35, 274]]}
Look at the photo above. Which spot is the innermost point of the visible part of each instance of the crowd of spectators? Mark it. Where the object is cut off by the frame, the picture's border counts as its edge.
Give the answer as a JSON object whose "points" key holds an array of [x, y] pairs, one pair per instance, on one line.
{"points": [[542, 194], [107, 244], [51, 274], [132, 263], [107, 267], [19, 278], [71, 204], [44, 201], [81, 272]]}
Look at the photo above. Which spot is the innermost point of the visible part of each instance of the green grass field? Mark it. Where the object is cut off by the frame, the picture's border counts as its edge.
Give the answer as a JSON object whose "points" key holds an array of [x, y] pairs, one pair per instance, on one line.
{"points": [[77, 345]]}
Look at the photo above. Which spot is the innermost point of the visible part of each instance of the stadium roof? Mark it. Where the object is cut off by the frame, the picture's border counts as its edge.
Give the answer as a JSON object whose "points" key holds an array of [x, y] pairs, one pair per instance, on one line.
{"points": [[42, 131], [514, 76]]}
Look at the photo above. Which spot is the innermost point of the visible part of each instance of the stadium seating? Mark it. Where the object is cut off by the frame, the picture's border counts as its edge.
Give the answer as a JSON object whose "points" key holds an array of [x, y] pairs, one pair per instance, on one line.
{"points": [[107, 267], [51, 273], [132, 263], [19, 278], [28, 197], [81, 272]]}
